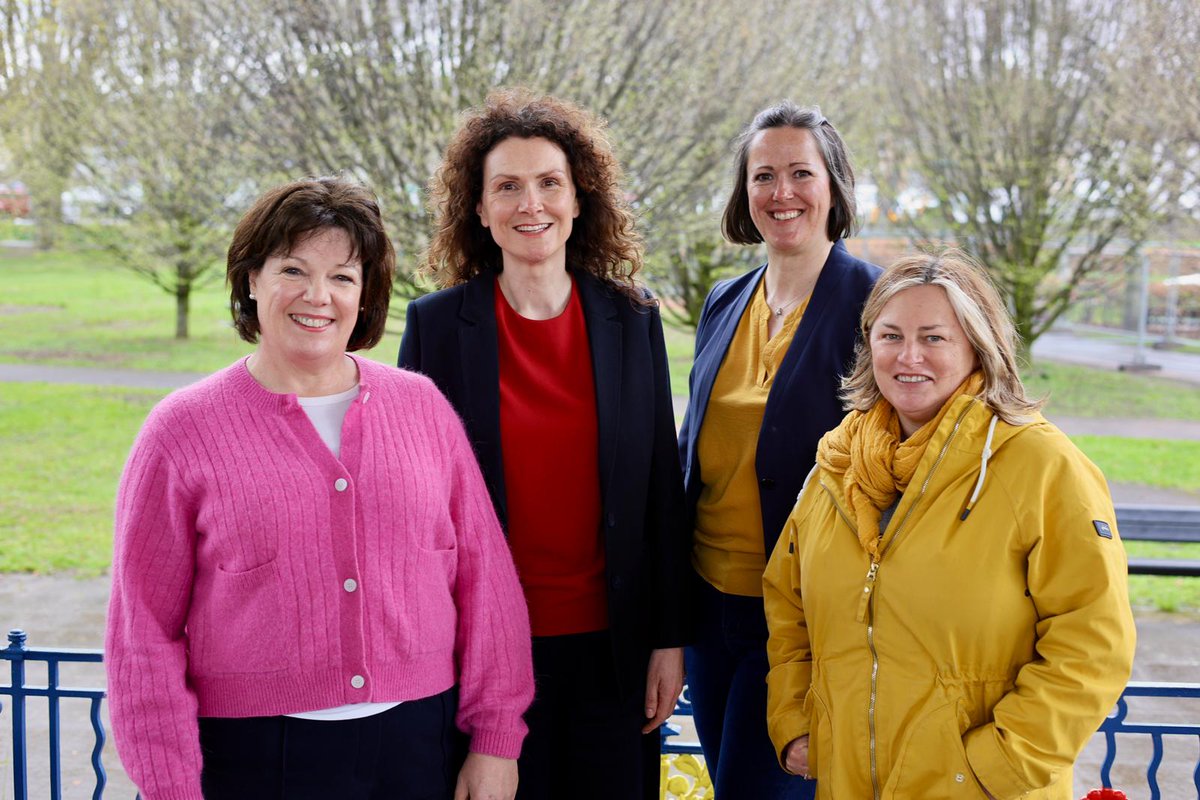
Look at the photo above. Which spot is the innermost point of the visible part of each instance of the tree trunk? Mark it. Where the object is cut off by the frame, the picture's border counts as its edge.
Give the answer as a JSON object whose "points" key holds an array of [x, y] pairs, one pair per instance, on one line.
{"points": [[48, 212], [183, 292]]}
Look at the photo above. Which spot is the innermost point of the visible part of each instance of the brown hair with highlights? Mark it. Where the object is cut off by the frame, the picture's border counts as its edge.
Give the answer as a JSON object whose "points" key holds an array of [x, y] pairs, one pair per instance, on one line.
{"points": [[286, 216], [979, 310], [736, 223]]}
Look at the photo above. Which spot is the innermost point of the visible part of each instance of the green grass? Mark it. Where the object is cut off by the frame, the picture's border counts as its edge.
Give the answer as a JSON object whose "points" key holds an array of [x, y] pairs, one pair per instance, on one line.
{"points": [[680, 346], [1157, 593], [1085, 392], [12, 231], [63, 447], [79, 308], [1154, 462]]}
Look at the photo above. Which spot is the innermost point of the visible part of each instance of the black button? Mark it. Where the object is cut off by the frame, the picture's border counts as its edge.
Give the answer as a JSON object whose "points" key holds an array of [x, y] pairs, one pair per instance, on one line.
{"points": [[612, 520], [767, 483], [616, 582]]}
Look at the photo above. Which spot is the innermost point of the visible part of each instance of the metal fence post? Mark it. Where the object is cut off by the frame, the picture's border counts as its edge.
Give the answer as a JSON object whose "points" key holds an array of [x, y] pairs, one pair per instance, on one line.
{"points": [[16, 654]]}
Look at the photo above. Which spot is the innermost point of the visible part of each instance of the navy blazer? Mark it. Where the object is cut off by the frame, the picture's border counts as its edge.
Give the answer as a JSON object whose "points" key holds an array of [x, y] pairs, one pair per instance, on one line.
{"points": [[451, 336], [802, 404]]}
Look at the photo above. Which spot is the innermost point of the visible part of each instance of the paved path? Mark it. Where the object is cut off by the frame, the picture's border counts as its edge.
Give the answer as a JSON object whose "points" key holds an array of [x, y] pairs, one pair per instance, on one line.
{"points": [[1058, 345], [1109, 353], [96, 376]]}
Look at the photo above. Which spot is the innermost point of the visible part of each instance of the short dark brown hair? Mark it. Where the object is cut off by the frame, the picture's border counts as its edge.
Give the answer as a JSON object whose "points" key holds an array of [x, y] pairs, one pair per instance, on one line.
{"points": [[603, 240], [286, 216], [736, 223]]}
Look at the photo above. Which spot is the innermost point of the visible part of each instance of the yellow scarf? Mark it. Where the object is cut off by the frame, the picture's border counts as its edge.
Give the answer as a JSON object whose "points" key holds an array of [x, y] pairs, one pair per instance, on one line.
{"points": [[865, 449]]}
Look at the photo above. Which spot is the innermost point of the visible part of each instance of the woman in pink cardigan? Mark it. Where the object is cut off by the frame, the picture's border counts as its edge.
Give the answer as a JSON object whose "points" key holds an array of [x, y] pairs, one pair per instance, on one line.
{"points": [[311, 595]]}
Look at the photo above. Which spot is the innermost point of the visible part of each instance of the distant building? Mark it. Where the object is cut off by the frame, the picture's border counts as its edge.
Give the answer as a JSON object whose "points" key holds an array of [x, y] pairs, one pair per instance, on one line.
{"points": [[14, 199]]}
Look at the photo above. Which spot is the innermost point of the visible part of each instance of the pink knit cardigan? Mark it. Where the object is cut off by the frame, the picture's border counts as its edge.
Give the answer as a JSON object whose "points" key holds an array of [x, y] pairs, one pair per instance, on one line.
{"points": [[256, 574]]}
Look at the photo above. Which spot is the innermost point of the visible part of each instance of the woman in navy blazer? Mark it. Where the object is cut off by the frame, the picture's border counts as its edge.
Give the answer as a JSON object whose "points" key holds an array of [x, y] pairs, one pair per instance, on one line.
{"points": [[533, 232], [770, 348]]}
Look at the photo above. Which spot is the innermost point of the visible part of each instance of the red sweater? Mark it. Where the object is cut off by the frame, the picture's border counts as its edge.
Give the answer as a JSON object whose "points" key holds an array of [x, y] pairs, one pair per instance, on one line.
{"points": [[549, 437]]}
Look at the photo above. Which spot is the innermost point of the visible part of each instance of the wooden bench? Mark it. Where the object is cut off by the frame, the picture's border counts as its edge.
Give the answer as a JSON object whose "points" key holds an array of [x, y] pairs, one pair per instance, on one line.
{"points": [[1137, 523]]}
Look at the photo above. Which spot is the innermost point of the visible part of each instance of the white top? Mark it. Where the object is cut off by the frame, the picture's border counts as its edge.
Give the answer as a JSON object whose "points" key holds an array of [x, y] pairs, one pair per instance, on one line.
{"points": [[326, 415]]}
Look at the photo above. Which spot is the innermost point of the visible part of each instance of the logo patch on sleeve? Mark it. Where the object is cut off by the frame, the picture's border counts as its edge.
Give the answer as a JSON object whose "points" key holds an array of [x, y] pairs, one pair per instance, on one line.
{"points": [[1102, 528]]}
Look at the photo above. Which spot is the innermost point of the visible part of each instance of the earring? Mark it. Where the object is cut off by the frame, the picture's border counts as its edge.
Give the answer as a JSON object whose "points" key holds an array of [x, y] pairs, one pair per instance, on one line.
{"points": [[252, 297]]}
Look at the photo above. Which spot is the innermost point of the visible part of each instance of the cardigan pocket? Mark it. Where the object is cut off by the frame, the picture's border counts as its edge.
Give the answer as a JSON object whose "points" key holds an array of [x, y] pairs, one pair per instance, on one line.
{"points": [[437, 613], [242, 629]]}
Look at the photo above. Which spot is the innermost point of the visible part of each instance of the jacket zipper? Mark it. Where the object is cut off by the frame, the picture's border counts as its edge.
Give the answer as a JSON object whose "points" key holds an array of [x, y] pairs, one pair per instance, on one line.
{"points": [[866, 604]]}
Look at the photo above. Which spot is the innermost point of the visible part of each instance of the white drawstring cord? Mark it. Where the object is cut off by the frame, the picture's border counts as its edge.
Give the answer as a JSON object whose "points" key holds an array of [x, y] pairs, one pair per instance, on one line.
{"points": [[807, 478], [983, 459]]}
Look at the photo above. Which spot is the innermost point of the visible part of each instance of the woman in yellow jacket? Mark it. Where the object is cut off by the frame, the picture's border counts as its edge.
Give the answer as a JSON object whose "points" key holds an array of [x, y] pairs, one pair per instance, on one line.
{"points": [[947, 604]]}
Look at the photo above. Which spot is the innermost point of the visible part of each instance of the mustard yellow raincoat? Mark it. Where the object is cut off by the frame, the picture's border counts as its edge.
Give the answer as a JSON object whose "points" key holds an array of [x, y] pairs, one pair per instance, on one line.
{"points": [[977, 653]]}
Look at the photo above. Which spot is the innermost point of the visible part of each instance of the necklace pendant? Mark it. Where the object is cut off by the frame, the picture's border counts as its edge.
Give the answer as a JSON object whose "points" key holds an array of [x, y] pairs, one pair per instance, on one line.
{"points": [[779, 311]]}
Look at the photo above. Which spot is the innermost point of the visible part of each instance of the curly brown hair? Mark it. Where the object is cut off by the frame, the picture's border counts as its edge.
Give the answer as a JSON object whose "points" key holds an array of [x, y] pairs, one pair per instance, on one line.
{"points": [[603, 241]]}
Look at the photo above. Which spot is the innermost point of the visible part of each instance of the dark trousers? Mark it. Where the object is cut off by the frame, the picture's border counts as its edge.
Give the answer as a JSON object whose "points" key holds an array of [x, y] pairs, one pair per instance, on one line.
{"points": [[585, 740], [410, 752], [727, 684]]}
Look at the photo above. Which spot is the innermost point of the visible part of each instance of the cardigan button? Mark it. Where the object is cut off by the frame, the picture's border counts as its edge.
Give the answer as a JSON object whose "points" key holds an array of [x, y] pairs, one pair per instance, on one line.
{"points": [[612, 520], [959, 777], [350, 585], [340, 484], [358, 681], [767, 483]]}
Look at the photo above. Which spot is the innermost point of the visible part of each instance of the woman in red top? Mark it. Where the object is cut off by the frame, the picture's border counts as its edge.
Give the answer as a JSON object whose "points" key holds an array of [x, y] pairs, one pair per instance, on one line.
{"points": [[555, 359]]}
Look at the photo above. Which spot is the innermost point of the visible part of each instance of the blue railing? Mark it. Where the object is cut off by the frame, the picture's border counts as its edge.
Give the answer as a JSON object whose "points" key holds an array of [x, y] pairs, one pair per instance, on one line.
{"points": [[19, 655], [1117, 723], [669, 730]]}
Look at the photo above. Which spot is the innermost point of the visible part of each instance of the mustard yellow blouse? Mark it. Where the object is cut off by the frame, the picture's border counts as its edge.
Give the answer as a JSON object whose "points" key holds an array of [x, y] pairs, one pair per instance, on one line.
{"points": [[728, 541]]}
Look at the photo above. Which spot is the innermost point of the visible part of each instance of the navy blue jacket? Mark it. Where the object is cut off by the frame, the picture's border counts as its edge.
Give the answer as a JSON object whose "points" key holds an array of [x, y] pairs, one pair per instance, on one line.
{"points": [[451, 337], [802, 404]]}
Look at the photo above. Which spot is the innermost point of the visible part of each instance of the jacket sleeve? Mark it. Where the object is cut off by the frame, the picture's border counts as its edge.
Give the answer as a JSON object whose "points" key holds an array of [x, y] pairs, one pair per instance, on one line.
{"points": [[154, 713], [1077, 580], [665, 521], [492, 640], [409, 356], [789, 650]]}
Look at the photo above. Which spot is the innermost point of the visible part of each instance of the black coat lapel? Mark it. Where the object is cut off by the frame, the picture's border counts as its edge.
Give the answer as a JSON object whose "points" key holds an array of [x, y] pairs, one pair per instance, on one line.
{"points": [[604, 336], [479, 354]]}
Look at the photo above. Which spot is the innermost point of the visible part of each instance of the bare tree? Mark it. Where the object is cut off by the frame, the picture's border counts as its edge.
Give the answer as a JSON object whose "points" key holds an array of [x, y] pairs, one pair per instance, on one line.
{"points": [[1159, 69], [1010, 113], [45, 97], [165, 149], [374, 88], [197, 104]]}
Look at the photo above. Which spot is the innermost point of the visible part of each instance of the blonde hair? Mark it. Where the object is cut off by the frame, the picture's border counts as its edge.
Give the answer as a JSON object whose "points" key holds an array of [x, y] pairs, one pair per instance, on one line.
{"points": [[979, 310]]}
